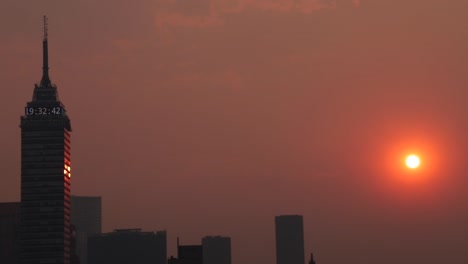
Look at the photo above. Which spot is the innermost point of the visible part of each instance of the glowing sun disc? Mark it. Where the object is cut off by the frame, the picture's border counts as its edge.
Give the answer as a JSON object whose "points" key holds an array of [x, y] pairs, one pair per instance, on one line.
{"points": [[412, 161]]}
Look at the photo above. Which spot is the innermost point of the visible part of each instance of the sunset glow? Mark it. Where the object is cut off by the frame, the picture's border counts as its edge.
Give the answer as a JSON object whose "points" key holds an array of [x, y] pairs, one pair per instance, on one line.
{"points": [[413, 161], [211, 118]]}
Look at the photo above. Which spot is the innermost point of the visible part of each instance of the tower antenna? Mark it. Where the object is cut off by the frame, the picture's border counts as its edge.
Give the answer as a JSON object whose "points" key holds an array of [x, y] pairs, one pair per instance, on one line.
{"points": [[45, 27], [45, 82]]}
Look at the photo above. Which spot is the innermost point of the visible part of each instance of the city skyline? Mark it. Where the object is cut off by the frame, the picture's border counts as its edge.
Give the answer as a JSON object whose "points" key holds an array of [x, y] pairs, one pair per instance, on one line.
{"points": [[227, 115]]}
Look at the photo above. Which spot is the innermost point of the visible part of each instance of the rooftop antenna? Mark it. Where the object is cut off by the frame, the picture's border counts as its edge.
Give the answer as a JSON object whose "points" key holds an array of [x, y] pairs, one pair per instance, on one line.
{"points": [[45, 82], [45, 27]]}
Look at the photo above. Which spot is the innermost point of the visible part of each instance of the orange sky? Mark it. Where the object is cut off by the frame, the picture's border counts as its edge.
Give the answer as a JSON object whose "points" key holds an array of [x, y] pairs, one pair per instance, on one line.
{"points": [[211, 117]]}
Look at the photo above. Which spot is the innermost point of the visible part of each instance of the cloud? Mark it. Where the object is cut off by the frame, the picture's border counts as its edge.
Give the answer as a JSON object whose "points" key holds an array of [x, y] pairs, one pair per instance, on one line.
{"points": [[203, 13]]}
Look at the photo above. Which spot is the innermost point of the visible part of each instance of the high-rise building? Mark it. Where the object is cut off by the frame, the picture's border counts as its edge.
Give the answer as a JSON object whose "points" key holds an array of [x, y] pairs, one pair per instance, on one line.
{"points": [[45, 174], [86, 217], [9, 225], [187, 254], [190, 254], [125, 246], [289, 239], [216, 250]]}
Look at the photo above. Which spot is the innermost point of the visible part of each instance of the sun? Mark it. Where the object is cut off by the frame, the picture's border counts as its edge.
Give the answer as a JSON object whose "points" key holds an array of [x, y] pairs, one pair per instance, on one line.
{"points": [[413, 161]]}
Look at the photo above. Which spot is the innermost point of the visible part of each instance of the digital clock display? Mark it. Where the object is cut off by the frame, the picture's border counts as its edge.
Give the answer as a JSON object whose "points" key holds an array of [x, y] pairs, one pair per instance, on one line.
{"points": [[57, 110]]}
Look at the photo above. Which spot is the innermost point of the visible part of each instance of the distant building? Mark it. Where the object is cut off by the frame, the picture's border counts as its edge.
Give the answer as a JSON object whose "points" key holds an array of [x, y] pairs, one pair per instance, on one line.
{"points": [[9, 232], [216, 250], [190, 254], [187, 254], [86, 217], [74, 259], [173, 260], [124, 246], [289, 239]]}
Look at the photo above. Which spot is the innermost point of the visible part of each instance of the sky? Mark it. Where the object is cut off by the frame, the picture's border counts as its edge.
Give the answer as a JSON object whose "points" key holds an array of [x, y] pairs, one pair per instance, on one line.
{"points": [[210, 117]]}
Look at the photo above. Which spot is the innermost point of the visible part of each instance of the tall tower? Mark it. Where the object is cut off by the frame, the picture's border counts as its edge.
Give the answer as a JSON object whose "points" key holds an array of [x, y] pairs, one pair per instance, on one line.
{"points": [[45, 174], [289, 239]]}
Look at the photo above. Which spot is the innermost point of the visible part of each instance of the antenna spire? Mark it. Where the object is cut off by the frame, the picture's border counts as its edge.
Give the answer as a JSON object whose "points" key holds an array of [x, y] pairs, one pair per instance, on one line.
{"points": [[45, 82], [45, 27]]}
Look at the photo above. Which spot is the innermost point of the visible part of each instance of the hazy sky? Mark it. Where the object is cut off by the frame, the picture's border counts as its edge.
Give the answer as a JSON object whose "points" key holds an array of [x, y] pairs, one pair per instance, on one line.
{"points": [[210, 117]]}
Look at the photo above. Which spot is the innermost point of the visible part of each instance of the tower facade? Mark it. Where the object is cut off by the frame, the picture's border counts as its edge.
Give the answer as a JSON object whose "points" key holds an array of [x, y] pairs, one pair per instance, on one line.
{"points": [[9, 225], [45, 174], [289, 239]]}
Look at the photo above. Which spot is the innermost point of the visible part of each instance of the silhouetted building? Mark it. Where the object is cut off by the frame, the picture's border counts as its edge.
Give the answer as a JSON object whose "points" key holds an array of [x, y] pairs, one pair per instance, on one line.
{"points": [[289, 239], [124, 246], [9, 232], [45, 174], [173, 260], [74, 258], [190, 254], [216, 250], [86, 217], [187, 254]]}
